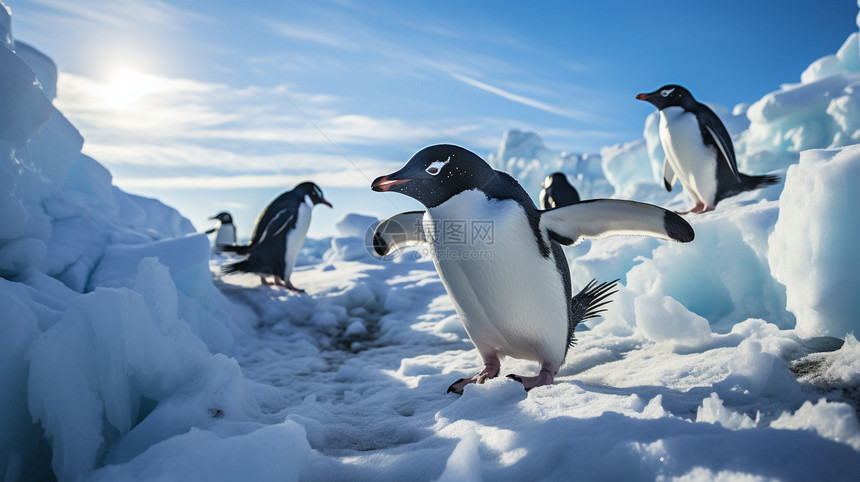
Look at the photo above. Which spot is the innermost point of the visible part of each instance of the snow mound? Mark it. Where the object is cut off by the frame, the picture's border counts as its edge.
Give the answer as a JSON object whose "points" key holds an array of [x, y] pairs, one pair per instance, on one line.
{"points": [[847, 59], [114, 316], [351, 243], [835, 421], [242, 452], [812, 250], [524, 156]]}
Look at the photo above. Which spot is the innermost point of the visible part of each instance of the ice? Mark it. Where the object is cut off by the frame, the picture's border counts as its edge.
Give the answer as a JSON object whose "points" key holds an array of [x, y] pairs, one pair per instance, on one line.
{"points": [[525, 156], [623, 165], [42, 65], [713, 411], [666, 319], [722, 276], [23, 103], [464, 462], [847, 59], [6, 27], [354, 238], [269, 453], [355, 225], [126, 355], [812, 249], [113, 356], [834, 421]]}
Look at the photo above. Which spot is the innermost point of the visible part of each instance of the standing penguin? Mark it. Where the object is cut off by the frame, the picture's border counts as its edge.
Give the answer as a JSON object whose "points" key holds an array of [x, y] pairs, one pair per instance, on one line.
{"points": [[699, 150], [225, 231], [278, 234], [500, 258], [557, 192]]}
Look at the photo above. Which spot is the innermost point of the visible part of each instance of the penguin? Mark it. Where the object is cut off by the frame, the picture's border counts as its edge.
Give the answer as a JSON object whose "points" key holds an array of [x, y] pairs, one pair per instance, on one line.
{"points": [[500, 257], [557, 192], [278, 234], [699, 150], [225, 231]]}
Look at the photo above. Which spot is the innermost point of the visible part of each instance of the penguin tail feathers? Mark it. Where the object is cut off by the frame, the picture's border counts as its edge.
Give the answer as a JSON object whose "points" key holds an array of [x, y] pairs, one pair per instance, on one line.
{"points": [[236, 248], [243, 266], [589, 303], [748, 183]]}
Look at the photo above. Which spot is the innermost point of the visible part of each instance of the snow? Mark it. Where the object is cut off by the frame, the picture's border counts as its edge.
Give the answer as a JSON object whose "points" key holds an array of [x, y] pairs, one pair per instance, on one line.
{"points": [[812, 250], [127, 356]]}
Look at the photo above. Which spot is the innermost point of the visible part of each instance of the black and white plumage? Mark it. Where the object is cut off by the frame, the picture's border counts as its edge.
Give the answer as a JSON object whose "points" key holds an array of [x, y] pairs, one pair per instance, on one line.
{"points": [[278, 235], [699, 150], [225, 231], [504, 268], [556, 191]]}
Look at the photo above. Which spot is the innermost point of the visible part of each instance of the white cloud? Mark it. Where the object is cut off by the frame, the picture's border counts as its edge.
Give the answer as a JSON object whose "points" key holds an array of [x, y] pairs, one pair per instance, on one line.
{"points": [[230, 135], [344, 178], [555, 110], [309, 34], [116, 13]]}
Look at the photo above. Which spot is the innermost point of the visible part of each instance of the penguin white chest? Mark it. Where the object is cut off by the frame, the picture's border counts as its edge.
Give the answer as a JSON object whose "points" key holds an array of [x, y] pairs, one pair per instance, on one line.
{"points": [[296, 237], [694, 163], [510, 298], [226, 235]]}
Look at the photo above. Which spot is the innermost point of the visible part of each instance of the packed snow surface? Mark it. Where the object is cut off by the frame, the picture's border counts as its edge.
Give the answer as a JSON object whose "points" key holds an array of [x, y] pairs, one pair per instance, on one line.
{"points": [[127, 356]]}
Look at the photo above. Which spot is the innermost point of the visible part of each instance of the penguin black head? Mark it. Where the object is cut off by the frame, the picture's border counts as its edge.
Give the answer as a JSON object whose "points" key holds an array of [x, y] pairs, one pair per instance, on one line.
{"points": [[437, 173], [224, 217], [557, 192], [312, 192], [557, 178], [669, 96]]}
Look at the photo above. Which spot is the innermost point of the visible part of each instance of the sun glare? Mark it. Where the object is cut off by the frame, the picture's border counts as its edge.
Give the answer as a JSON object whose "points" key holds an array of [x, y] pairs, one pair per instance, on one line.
{"points": [[128, 86]]}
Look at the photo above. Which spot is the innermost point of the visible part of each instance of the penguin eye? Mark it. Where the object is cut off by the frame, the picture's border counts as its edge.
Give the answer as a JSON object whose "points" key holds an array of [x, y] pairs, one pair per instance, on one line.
{"points": [[435, 167], [667, 92]]}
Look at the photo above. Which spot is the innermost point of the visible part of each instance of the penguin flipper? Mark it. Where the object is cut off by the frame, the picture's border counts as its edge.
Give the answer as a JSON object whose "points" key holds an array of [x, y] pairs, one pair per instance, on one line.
{"points": [[210, 231], [280, 221], [669, 175], [399, 231], [598, 218], [724, 145]]}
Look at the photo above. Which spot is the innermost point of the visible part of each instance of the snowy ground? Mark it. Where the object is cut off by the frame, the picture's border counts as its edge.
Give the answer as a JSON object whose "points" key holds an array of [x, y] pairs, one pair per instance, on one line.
{"points": [[369, 389], [127, 356]]}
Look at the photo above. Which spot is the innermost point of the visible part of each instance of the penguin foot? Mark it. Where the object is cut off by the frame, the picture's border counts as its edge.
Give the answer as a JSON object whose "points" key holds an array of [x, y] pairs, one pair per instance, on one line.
{"points": [[491, 370], [278, 281], [543, 378], [458, 386], [290, 286], [699, 208]]}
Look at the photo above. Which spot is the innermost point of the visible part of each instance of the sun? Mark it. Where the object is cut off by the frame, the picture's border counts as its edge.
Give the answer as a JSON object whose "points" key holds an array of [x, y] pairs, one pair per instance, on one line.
{"points": [[128, 86]]}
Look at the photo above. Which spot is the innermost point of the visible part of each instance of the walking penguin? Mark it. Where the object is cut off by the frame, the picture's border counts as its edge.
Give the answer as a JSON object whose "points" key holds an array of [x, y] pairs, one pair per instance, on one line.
{"points": [[509, 280], [699, 150], [278, 235]]}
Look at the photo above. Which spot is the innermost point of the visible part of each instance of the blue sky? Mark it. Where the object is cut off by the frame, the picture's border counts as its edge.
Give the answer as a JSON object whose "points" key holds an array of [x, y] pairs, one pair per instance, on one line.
{"points": [[212, 105]]}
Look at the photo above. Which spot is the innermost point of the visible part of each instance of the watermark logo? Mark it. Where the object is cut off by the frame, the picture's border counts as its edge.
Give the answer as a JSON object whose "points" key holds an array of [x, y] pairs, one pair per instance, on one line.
{"points": [[448, 239]]}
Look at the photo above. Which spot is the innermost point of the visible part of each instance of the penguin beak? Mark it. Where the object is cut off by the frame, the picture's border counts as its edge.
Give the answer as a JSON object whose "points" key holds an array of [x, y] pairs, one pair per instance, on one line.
{"points": [[323, 201], [384, 184], [642, 96]]}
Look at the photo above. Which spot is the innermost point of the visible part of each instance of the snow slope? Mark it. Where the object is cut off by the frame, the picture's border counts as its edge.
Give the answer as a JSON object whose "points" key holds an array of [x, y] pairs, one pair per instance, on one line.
{"points": [[127, 356]]}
